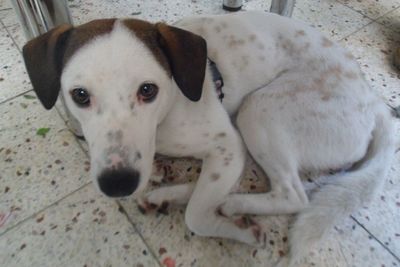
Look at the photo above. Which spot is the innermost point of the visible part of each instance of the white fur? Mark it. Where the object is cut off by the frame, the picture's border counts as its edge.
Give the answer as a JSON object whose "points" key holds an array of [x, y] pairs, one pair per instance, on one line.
{"points": [[300, 101]]}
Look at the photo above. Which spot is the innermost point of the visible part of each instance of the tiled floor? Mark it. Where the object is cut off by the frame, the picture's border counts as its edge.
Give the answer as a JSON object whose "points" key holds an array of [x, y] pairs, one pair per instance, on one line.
{"points": [[51, 215]]}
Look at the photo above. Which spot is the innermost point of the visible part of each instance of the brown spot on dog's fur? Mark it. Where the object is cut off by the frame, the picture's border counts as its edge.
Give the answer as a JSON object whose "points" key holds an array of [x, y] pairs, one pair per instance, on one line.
{"points": [[348, 55], [215, 176], [327, 79], [300, 33], [291, 48], [217, 29], [244, 62], [252, 37], [326, 97], [234, 43], [326, 42], [351, 75], [221, 149], [220, 135]]}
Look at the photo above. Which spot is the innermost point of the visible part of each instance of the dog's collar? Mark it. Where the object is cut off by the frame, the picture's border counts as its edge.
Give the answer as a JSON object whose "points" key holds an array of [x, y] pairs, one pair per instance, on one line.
{"points": [[217, 78]]}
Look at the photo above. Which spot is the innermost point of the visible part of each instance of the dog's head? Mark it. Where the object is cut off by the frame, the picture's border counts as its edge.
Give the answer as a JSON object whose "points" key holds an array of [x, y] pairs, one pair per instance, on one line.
{"points": [[119, 78]]}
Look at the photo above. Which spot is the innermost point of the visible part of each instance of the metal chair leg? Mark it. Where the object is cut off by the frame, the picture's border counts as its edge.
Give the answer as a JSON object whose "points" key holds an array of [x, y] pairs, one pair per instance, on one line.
{"points": [[39, 16], [282, 7]]}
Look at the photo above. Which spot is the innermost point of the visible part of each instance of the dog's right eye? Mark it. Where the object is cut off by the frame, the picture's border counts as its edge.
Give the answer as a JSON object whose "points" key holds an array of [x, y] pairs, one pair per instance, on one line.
{"points": [[81, 97]]}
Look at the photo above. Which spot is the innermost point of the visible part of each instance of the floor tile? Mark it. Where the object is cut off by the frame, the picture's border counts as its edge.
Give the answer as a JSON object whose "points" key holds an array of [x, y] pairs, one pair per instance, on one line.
{"points": [[17, 35], [5, 4], [36, 170], [169, 238], [373, 47], [372, 8], [84, 229], [13, 77], [8, 16], [334, 20], [391, 20]]}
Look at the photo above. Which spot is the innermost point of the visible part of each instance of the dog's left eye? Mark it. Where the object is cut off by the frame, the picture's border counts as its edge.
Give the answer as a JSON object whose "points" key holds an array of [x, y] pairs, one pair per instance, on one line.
{"points": [[81, 97], [147, 92]]}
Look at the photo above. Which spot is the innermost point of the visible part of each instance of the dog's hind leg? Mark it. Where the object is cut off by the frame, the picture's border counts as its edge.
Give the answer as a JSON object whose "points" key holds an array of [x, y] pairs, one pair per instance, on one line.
{"points": [[271, 148]]}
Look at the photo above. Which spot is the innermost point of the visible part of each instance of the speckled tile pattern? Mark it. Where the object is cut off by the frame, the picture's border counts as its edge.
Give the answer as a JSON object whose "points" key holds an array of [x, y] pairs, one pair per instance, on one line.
{"points": [[84, 229], [391, 20], [35, 170], [17, 34], [51, 216], [5, 4], [8, 17], [373, 46], [372, 8], [13, 78], [335, 21]]}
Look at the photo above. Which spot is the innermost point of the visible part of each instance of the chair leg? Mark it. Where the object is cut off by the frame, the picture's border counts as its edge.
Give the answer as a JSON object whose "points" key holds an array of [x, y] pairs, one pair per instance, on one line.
{"points": [[282, 7]]}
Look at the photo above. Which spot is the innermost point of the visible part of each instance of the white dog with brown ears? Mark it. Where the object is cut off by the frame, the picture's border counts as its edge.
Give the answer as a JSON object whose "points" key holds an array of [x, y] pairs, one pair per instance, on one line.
{"points": [[298, 100]]}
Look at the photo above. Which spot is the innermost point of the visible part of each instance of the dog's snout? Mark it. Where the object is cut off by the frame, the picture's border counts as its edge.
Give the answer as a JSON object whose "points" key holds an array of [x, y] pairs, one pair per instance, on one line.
{"points": [[118, 183]]}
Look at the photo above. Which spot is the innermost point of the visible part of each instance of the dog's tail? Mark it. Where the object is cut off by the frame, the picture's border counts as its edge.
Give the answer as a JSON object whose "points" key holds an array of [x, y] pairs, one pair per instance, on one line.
{"points": [[345, 193]]}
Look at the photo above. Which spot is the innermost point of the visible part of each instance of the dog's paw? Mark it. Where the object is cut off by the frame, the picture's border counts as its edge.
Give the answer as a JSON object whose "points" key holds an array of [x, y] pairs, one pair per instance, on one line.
{"points": [[254, 232], [146, 207], [149, 204]]}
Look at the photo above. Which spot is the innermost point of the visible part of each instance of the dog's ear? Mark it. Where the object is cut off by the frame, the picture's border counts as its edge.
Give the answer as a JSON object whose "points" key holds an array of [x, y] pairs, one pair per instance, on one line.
{"points": [[187, 56], [43, 58]]}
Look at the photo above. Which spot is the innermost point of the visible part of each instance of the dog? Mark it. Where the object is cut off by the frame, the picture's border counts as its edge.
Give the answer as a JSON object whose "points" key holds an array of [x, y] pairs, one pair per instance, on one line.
{"points": [[293, 98]]}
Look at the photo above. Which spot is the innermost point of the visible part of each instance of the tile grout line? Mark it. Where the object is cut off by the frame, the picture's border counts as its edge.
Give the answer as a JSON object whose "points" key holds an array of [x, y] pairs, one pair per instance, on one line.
{"points": [[43, 209], [372, 20], [10, 36], [354, 32], [122, 209], [376, 239], [16, 96], [376, 20]]}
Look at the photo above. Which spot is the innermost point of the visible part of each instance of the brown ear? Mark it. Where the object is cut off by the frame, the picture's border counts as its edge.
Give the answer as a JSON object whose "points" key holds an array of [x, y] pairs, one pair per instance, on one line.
{"points": [[43, 60], [187, 56]]}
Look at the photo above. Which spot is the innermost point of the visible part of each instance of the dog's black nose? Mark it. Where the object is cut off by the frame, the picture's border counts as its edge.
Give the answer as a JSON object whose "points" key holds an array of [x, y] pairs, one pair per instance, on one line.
{"points": [[118, 183]]}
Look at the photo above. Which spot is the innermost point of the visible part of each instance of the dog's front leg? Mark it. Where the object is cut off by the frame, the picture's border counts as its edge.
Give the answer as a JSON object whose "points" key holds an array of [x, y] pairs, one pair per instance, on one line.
{"points": [[222, 167], [160, 198]]}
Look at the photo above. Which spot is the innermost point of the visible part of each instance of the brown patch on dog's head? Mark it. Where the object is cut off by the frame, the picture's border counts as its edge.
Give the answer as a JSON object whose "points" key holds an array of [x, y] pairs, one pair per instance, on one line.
{"points": [[85, 33], [149, 35], [182, 54]]}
